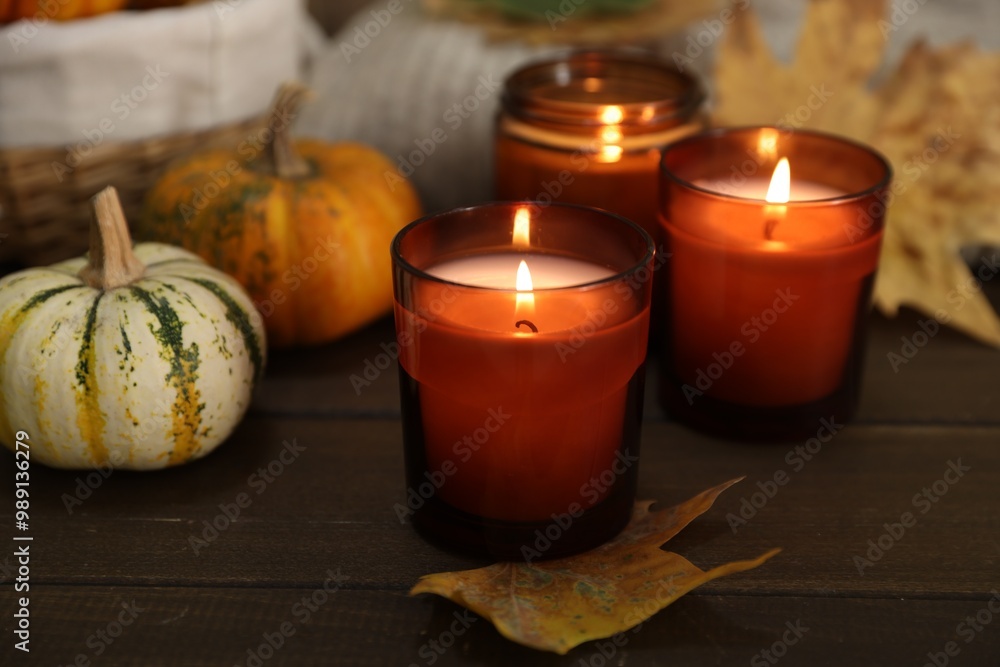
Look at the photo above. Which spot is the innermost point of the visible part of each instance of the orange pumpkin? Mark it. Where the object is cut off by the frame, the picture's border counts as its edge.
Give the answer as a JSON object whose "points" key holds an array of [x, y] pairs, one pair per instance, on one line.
{"points": [[59, 10], [305, 226]]}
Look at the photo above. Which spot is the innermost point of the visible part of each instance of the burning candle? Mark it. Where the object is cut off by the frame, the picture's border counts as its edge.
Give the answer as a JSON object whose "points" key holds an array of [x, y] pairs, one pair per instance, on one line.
{"points": [[588, 129], [775, 237], [521, 364]]}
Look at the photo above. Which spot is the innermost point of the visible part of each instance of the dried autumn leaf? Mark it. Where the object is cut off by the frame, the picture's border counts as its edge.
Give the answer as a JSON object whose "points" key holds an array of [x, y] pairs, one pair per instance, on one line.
{"points": [[936, 118], [558, 604], [838, 50]]}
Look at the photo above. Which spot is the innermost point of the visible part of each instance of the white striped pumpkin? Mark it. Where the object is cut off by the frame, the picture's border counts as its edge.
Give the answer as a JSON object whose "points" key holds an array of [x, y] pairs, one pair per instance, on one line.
{"points": [[138, 361]]}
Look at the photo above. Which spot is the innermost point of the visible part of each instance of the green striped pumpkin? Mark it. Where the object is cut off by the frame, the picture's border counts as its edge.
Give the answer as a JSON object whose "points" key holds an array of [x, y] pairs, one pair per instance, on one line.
{"points": [[137, 359]]}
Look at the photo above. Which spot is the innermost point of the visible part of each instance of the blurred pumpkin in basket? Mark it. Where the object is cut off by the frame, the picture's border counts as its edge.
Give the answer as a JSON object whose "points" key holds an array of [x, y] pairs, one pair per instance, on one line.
{"points": [[304, 225], [184, 78], [59, 10]]}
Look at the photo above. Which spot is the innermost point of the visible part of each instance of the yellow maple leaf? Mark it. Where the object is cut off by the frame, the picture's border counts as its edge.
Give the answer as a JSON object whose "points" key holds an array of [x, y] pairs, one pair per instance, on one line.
{"points": [[558, 604], [936, 118]]}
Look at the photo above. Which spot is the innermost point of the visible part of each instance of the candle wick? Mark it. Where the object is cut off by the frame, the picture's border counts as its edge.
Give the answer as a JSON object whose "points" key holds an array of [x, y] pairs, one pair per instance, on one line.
{"points": [[769, 228], [517, 325]]}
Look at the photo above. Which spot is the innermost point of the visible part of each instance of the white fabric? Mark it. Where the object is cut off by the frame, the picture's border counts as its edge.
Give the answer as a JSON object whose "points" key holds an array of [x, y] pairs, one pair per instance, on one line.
{"points": [[390, 79], [131, 75], [394, 86]]}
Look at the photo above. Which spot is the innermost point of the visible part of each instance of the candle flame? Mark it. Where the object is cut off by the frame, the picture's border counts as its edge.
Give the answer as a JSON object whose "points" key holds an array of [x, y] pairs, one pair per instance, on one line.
{"points": [[610, 154], [779, 191], [611, 134], [523, 282], [522, 228], [525, 304], [767, 143], [612, 115]]}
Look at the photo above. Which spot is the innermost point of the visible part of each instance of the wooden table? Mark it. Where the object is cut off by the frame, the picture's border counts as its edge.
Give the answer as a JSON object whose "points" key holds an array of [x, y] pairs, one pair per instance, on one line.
{"points": [[116, 578]]}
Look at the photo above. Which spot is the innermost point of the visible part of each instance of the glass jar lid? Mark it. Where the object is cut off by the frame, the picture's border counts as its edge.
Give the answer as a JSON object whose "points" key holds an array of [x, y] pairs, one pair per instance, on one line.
{"points": [[588, 89]]}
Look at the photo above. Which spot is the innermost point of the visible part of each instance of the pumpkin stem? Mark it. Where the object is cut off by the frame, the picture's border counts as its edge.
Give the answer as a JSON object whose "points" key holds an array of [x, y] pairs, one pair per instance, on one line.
{"points": [[112, 263], [280, 149]]}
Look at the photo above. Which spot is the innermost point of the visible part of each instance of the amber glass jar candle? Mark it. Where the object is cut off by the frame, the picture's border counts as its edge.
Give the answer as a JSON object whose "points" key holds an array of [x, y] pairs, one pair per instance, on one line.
{"points": [[774, 238], [589, 128], [522, 345]]}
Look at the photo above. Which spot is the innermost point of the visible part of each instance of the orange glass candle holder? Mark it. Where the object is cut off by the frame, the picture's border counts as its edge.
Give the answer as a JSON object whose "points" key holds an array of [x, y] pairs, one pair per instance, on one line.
{"points": [[588, 129], [522, 344], [768, 290]]}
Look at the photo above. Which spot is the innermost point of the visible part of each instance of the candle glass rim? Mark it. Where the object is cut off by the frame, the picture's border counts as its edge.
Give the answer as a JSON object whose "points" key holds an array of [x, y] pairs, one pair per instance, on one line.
{"points": [[519, 100], [714, 133], [399, 260]]}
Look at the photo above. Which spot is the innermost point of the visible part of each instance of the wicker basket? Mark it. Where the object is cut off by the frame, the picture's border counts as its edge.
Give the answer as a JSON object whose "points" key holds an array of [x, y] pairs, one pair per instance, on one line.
{"points": [[45, 220], [150, 85]]}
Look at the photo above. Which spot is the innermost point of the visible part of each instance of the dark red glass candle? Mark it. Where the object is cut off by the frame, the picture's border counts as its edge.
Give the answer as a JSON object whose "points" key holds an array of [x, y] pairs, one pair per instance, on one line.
{"points": [[768, 292], [522, 403]]}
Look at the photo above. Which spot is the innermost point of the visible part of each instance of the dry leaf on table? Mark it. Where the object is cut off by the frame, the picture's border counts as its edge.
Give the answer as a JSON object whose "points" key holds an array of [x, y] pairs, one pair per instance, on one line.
{"points": [[558, 604], [936, 118]]}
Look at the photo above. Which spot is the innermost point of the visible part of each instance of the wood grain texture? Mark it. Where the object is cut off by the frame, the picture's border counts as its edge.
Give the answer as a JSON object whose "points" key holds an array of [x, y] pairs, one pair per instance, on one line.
{"points": [[334, 505], [328, 507], [210, 627]]}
